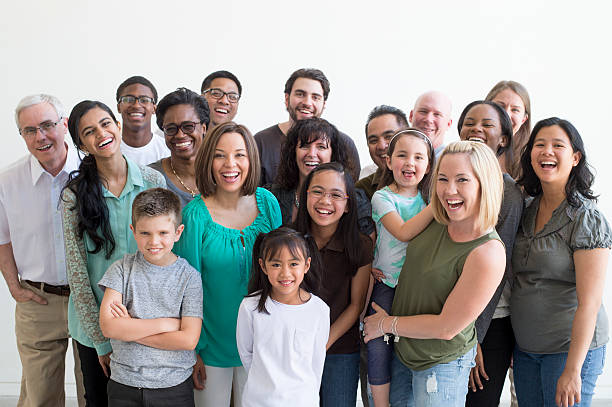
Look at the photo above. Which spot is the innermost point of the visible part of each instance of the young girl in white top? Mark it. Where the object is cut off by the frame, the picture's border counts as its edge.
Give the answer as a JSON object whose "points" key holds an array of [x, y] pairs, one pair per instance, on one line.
{"points": [[282, 327], [400, 213]]}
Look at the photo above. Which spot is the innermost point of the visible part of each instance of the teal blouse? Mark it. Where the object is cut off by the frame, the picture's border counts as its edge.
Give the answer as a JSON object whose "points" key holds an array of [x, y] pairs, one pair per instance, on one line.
{"points": [[223, 258], [85, 269]]}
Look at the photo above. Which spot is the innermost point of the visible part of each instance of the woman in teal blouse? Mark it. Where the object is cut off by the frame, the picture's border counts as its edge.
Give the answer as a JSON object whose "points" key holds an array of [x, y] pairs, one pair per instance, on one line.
{"points": [[97, 209], [220, 229]]}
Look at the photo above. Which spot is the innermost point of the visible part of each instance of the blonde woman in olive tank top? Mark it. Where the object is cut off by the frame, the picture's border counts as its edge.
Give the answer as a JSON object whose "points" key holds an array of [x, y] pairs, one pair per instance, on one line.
{"points": [[450, 273]]}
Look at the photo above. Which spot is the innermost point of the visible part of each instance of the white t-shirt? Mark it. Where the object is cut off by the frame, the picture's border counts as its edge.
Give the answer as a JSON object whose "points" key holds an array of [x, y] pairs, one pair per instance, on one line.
{"points": [[283, 352], [155, 150]]}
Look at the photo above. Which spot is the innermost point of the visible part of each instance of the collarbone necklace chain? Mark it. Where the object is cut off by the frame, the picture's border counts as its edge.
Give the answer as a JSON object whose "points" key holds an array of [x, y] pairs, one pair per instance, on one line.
{"points": [[191, 191]]}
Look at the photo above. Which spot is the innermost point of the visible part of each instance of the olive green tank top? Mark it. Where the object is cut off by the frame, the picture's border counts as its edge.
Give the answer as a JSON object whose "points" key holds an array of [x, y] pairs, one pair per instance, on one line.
{"points": [[433, 265]]}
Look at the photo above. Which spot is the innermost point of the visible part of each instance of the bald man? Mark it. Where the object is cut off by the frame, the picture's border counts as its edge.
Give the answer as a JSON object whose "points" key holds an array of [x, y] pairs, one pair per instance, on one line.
{"points": [[432, 115]]}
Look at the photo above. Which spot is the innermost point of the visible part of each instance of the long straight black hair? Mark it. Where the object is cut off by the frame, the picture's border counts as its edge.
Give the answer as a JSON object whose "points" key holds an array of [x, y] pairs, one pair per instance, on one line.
{"points": [[85, 183], [268, 245], [348, 227]]}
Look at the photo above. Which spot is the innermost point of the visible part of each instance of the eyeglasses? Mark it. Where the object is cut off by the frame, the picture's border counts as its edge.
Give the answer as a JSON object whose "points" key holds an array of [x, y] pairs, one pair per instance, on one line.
{"points": [[186, 127], [320, 193], [44, 127], [218, 94], [130, 99]]}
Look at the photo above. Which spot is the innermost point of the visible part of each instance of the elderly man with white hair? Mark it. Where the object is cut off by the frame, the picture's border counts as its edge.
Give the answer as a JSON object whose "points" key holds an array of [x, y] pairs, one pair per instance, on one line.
{"points": [[32, 256]]}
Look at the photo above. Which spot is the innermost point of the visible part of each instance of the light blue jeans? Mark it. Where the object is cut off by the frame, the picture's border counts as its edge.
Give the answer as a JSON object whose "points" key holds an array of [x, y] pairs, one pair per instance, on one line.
{"points": [[536, 375], [444, 385]]}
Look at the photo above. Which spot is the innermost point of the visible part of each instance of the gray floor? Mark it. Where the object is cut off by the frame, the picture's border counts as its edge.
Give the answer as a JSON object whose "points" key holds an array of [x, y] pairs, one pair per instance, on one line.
{"points": [[71, 402]]}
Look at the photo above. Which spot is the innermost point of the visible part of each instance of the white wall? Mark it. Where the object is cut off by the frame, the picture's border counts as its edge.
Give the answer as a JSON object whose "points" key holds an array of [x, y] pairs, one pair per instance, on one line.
{"points": [[373, 52]]}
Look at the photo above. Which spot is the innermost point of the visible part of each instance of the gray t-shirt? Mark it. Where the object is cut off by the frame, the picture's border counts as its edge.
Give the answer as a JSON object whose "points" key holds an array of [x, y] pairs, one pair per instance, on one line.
{"points": [[151, 291], [544, 300]]}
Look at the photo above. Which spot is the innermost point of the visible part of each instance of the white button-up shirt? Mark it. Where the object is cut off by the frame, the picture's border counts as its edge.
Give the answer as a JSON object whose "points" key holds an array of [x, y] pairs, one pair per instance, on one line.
{"points": [[31, 218]]}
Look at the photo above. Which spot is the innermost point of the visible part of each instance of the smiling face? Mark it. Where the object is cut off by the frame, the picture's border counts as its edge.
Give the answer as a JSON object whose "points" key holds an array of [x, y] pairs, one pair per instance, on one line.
{"points": [[183, 145], [380, 131], [514, 105], [305, 100], [409, 163], [285, 273], [155, 236], [309, 156], [230, 163], [432, 115], [324, 210], [552, 156], [222, 110], [458, 189], [482, 124], [99, 134], [136, 116], [49, 147]]}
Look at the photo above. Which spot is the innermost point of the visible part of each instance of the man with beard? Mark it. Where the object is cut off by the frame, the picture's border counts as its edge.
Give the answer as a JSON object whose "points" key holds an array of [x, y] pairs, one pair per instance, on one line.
{"points": [[306, 92], [136, 100]]}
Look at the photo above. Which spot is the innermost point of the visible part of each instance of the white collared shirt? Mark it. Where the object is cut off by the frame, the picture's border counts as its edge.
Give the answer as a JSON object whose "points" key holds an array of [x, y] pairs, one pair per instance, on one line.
{"points": [[31, 217]]}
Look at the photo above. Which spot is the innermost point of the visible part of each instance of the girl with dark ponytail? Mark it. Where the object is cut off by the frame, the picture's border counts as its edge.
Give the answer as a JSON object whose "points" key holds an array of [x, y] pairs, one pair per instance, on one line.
{"points": [[97, 205]]}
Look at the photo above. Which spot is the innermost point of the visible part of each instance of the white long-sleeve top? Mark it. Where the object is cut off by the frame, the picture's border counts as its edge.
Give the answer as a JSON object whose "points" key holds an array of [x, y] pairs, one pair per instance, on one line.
{"points": [[283, 352]]}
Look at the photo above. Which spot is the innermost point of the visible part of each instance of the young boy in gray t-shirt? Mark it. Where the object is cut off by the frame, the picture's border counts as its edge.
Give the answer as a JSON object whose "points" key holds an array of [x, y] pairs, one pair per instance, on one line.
{"points": [[152, 309]]}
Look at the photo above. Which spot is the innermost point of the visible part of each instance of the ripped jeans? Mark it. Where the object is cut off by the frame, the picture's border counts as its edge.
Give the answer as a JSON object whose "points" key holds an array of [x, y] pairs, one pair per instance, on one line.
{"points": [[444, 385]]}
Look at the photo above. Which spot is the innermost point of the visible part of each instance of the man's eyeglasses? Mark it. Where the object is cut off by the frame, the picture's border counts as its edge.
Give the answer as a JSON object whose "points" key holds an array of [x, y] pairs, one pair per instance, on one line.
{"points": [[44, 127], [186, 127], [320, 193], [130, 99], [218, 94]]}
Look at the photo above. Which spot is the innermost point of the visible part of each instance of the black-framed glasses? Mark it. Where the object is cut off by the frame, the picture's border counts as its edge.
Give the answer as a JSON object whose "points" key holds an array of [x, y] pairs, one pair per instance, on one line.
{"points": [[218, 94], [320, 193], [131, 99], [44, 127], [186, 127]]}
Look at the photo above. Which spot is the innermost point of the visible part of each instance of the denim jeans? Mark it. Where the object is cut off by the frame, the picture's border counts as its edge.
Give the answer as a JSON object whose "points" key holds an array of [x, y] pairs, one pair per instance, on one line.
{"points": [[339, 382], [444, 385], [536, 375], [379, 351]]}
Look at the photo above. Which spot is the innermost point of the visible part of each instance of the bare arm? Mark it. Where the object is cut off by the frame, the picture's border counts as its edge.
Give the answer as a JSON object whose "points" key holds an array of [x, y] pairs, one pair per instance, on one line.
{"points": [[119, 325], [591, 266], [482, 272], [9, 271], [359, 287], [405, 231]]}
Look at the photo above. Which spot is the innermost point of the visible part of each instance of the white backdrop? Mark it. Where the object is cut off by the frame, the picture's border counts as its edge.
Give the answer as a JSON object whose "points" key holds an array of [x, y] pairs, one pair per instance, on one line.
{"points": [[372, 52]]}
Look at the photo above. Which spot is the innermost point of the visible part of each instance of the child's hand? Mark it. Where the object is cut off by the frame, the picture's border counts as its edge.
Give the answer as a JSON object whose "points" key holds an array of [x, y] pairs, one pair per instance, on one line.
{"points": [[199, 374], [378, 274], [118, 310]]}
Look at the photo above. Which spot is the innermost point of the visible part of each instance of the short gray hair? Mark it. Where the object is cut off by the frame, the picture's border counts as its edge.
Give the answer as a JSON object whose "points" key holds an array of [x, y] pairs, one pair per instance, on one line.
{"points": [[36, 99]]}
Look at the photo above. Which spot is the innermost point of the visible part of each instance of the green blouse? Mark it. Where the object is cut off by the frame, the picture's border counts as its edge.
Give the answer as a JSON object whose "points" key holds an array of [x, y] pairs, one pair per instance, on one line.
{"points": [[85, 269], [223, 257]]}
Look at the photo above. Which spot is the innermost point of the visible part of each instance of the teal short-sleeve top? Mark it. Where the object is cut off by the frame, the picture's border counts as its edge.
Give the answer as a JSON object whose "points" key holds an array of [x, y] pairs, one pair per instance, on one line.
{"points": [[223, 257]]}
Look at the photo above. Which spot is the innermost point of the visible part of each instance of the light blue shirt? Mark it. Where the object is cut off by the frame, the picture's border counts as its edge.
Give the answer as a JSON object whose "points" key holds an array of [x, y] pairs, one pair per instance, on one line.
{"points": [[389, 253]]}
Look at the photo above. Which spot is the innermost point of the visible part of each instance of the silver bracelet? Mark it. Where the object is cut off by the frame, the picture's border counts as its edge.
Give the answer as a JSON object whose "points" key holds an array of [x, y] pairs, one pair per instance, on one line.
{"points": [[394, 329]]}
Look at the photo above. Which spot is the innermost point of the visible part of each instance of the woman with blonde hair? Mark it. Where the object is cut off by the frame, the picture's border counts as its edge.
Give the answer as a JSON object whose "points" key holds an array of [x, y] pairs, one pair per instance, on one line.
{"points": [[449, 275]]}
